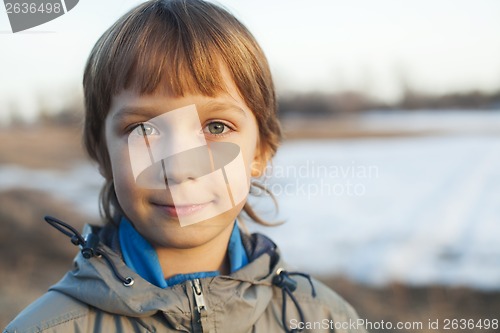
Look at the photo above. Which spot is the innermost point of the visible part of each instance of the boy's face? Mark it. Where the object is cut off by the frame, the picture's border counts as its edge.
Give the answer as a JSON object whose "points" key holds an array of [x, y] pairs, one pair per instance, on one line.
{"points": [[182, 165]]}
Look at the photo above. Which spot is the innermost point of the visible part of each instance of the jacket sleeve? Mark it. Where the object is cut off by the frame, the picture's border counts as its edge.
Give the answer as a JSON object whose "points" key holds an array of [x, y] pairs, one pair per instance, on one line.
{"points": [[55, 312]]}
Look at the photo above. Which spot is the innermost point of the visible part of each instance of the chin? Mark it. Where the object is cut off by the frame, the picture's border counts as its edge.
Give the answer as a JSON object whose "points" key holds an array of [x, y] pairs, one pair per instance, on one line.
{"points": [[194, 235]]}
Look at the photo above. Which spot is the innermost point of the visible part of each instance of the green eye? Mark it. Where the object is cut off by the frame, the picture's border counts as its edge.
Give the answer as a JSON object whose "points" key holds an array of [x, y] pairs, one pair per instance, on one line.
{"points": [[146, 129], [216, 127]]}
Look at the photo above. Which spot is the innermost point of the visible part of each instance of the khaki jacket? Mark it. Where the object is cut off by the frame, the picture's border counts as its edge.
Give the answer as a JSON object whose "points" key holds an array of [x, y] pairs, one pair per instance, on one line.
{"points": [[90, 298]]}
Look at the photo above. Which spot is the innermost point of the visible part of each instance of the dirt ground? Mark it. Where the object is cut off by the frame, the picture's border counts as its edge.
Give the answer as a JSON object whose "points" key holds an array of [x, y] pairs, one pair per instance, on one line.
{"points": [[397, 303], [54, 147], [33, 255]]}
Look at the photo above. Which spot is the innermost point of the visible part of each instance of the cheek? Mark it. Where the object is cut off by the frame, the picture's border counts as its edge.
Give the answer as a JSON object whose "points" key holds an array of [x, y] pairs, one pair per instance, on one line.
{"points": [[124, 184], [249, 151], [122, 170], [248, 157]]}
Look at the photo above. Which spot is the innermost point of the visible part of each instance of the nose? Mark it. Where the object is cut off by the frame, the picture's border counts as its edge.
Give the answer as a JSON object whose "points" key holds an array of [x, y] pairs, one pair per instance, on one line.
{"points": [[164, 168], [187, 165]]}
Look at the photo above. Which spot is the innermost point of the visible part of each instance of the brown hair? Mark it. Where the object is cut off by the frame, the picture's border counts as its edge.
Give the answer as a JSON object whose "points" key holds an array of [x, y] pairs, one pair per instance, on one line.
{"points": [[180, 43]]}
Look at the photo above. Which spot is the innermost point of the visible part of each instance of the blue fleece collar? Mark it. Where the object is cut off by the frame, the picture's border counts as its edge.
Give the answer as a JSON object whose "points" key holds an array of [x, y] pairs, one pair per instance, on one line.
{"points": [[142, 258]]}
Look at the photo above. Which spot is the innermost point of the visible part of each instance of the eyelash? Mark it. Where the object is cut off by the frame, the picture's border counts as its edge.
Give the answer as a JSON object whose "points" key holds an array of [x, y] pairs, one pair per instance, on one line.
{"points": [[220, 135], [134, 127]]}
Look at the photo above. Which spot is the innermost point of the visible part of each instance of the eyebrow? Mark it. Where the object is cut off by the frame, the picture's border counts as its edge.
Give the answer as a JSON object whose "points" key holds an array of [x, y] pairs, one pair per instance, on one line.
{"points": [[152, 112], [142, 111], [221, 106]]}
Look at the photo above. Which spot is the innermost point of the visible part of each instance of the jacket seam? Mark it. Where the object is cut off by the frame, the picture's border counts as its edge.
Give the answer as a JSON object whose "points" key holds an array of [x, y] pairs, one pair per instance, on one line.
{"points": [[57, 324]]}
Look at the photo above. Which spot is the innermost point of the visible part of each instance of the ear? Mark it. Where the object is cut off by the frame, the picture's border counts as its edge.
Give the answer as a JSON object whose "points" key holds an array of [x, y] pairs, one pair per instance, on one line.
{"points": [[259, 163]]}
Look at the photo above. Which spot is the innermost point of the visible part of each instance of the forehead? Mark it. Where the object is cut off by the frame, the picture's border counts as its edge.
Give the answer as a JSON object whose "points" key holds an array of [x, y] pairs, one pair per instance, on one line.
{"points": [[163, 98], [172, 78], [130, 105], [171, 65]]}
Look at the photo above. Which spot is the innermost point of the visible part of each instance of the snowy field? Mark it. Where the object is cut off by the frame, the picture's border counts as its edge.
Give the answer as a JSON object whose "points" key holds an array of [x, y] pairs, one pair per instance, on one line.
{"points": [[417, 210]]}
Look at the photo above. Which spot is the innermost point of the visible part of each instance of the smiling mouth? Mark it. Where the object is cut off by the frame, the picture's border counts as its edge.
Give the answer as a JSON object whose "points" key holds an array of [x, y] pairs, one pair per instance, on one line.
{"points": [[182, 210]]}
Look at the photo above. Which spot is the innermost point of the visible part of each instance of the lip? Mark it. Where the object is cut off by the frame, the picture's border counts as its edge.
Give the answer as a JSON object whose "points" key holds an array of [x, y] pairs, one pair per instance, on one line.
{"points": [[182, 210]]}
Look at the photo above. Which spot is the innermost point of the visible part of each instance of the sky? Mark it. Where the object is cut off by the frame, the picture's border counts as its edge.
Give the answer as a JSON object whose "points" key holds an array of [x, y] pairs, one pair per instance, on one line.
{"points": [[436, 46]]}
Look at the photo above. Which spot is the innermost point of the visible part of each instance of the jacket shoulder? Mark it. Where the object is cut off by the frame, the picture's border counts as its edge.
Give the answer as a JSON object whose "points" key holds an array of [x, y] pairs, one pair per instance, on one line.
{"points": [[334, 301], [48, 313], [327, 310]]}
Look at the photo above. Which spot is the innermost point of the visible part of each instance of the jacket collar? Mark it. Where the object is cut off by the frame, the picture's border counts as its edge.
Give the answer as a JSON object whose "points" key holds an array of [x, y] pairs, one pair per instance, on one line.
{"points": [[94, 283]]}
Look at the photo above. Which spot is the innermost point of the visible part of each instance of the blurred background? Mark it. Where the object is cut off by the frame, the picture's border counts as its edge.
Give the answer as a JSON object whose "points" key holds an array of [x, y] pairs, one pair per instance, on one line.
{"points": [[388, 179]]}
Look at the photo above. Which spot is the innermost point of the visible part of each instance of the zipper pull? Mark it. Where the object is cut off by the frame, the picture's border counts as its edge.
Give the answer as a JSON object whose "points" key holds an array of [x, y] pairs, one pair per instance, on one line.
{"points": [[198, 296]]}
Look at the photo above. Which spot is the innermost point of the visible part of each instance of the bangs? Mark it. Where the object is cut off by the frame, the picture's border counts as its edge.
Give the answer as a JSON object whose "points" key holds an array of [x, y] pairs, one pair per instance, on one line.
{"points": [[156, 48]]}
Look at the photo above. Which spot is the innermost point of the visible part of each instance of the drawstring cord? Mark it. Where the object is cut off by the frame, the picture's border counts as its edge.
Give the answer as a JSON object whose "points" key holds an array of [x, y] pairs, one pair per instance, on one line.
{"points": [[89, 246], [283, 280]]}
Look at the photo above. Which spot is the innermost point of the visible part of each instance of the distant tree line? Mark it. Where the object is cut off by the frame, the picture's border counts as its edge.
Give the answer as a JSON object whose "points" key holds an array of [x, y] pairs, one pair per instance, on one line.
{"points": [[328, 104]]}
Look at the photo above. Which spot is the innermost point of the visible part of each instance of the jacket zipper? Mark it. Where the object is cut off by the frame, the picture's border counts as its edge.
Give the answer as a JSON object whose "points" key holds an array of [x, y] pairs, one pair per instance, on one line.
{"points": [[198, 296], [201, 315]]}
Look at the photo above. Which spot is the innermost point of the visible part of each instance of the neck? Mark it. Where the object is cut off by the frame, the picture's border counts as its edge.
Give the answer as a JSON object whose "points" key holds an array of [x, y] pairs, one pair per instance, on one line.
{"points": [[211, 256]]}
